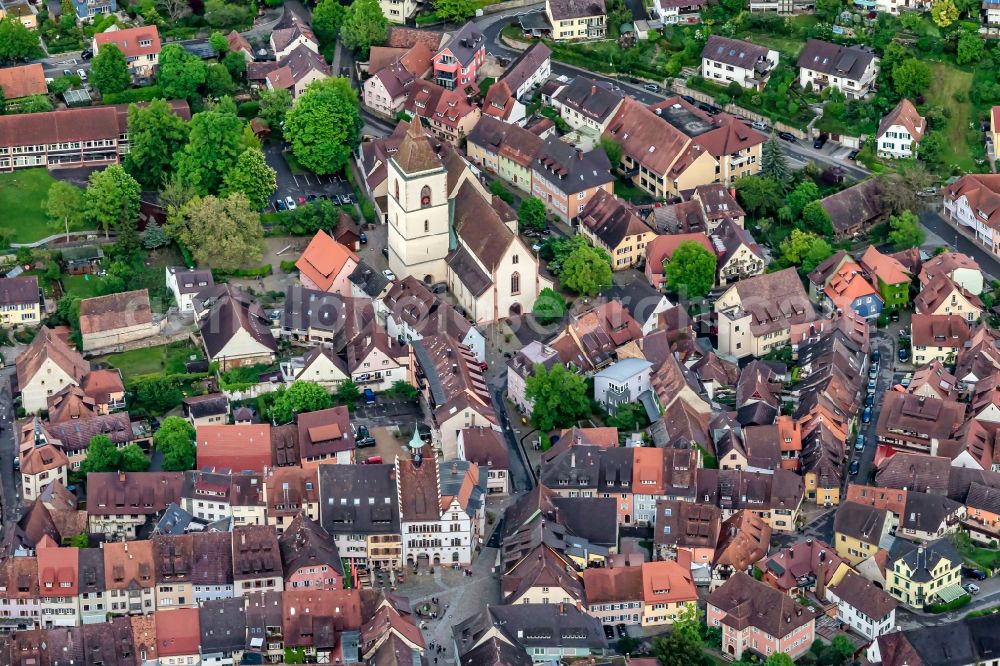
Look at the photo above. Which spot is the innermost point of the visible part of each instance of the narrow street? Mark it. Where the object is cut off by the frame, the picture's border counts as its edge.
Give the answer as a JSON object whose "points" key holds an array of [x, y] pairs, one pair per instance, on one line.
{"points": [[8, 449], [933, 221]]}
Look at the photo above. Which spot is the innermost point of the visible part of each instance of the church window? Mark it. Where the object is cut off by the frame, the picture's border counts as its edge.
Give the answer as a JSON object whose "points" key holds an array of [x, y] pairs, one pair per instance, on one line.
{"points": [[425, 195], [515, 283], [427, 226], [397, 190], [514, 259]]}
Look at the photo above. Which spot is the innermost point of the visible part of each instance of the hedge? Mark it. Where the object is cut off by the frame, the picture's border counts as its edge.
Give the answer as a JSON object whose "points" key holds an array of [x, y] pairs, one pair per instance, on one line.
{"points": [[146, 94], [950, 606], [260, 271]]}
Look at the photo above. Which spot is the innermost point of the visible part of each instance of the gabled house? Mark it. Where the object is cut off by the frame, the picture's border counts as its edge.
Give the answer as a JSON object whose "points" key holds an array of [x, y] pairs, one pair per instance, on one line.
{"points": [[566, 178], [140, 46], [973, 201], [738, 255], [849, 69], [505, 149], [848, 289], [864, 607], [854, 209], [184, 283], [858, 530], [385, 92], [46, 367], [447, 112], [457, 63], [944, 296], [612, 225], [587, 104], [923, 574], [900, 131], [890, 277], [20, 301], [725, 60], [109, 321], [961, 268], [937, 337], [234, 329], [576, 19], [529, 71], [325, 265]]}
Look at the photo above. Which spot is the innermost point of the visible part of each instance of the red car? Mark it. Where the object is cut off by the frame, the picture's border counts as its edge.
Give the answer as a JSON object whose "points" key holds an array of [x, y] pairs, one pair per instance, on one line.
{"points": [[484, 366]]}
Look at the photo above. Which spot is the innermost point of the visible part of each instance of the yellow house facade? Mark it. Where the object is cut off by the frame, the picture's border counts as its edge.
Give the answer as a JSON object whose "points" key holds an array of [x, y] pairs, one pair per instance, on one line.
{"points": [[19, 302], [920, 573]]}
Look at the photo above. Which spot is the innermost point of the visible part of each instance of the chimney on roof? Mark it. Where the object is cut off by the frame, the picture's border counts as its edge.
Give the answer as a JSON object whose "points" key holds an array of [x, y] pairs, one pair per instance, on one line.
{"points": [[121, 476]]}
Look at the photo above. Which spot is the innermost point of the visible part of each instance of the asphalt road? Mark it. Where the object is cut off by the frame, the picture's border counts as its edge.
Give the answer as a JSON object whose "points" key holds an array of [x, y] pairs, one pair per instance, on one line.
{"points": [[884, 382], [8, 486], [988, 261]]}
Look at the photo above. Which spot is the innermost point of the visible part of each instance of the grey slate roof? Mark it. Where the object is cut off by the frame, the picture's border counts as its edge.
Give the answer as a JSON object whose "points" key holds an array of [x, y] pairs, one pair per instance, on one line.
{"points": [[567, 9], [464, 43], [223, 624], [570, 169], [848, 62], [596, 100], [341, 484], [923, 559], [368, 279]]}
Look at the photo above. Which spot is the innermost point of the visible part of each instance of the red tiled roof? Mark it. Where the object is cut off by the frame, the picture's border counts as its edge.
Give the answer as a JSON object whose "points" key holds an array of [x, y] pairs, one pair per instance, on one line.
{"points": [[130, 40], [178, 632], [237, 447], [23, 81], [324, 259]]}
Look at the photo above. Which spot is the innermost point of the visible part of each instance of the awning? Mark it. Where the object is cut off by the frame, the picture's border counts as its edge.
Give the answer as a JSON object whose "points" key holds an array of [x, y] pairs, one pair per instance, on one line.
{"points": [[951, 593]]}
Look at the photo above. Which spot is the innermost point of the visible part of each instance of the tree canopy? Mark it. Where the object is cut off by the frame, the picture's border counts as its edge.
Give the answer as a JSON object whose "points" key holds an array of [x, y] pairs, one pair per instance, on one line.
{"points": [[454, 11], [364, 26], [325, 123], [559, 397], [157, 395], [156, 136], [175, 440], [759, 195], [944, 13], [214, 145], [690, 272], [586, 270], [64, 205], [805, 250], [300, 397], [17, 43], [905, 231], [109, 71], [531, 213], [222, 233], [103, 455], [253, 177], [112, 200], [179, 73], [774, 163], [327, 18], [911, 77], [549, 307]]}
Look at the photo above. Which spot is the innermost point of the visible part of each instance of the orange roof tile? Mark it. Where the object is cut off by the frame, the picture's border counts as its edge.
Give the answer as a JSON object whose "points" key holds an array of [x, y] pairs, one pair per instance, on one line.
{"points": [[324, 259], [667, 582]]}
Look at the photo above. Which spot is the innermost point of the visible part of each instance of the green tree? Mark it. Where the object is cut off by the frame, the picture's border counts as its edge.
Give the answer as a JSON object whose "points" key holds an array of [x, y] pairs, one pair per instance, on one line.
{"points": [[179, 74], [780, 658], [218, 42], [176, 441], [758, 195], [274, 104], [218, 81], [677, 649], [805, 250], [220, 233], [132, 459], [612, 149], [112, 200], [803, 194], [905, 231], [815, 218], [531, 213], [911, 77], [774, 164], [253, 177], [221, 14], [214, 146], [300, 397], [157, 395], [295, 656], [324, 125], [364, 26], [932, 147], [236, 64], [404, 389], [17, 43], [586, 270], [970, 46], [454, 11], [326, 20], [559, 397], [549, 307], [828, 10], [64, 205], [348, 393], [497, 188], [690, 272], [944, 13], [156, 135], [154, 236], [80, 540], [35, 104], [109, 71], [102, 455]]}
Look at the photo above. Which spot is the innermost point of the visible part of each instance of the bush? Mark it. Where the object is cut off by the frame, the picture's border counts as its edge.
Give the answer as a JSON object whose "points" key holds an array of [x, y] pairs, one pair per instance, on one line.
{"points": [[249, 109], [288, 266], [259, 272], [131, 95], [950, 606]]}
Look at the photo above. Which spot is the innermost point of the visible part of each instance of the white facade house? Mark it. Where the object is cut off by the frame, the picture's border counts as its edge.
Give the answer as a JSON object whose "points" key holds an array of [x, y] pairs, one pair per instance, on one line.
{"points": [[862, 606], [397, 11], [725, 60], [850, 69], [185, 283], [896, 7], [522, 366], [962, 201], [900, 131], [622, 382]]}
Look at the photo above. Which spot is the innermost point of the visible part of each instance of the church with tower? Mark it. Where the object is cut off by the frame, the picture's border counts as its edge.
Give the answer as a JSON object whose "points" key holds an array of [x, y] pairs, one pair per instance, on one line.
{"points": [[444, 226]]}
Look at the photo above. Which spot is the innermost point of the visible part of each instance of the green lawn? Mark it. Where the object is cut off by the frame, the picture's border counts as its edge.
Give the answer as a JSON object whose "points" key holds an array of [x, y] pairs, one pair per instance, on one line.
{"points": [[21, 196], [946, 81], [152, 360], [81, 286]]}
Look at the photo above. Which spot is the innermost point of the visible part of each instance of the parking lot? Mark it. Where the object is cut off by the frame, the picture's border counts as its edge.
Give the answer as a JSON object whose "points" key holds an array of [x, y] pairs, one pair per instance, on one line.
{"points": [[301, 187]]}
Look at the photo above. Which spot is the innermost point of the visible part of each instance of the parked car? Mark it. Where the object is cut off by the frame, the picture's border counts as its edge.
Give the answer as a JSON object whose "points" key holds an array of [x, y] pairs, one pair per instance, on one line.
{"points": [[688, 99], [872, 371], [369, 396], [372, 460], [859, 443], [853, 155], [280, 205], [311, 197], [652, 87], [759, 125], [87, 54], [787, 136], [972, 588], [385, 252], [82, 74], [975, 574], [363, 237], [290, 202], [67, 72], [904, 354], [872, 383], [484, 366], [389, 275], [440, 288], [869, 400], [819, 142], [876, 357], [855, 467], [905, 381], [866, 416]]}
